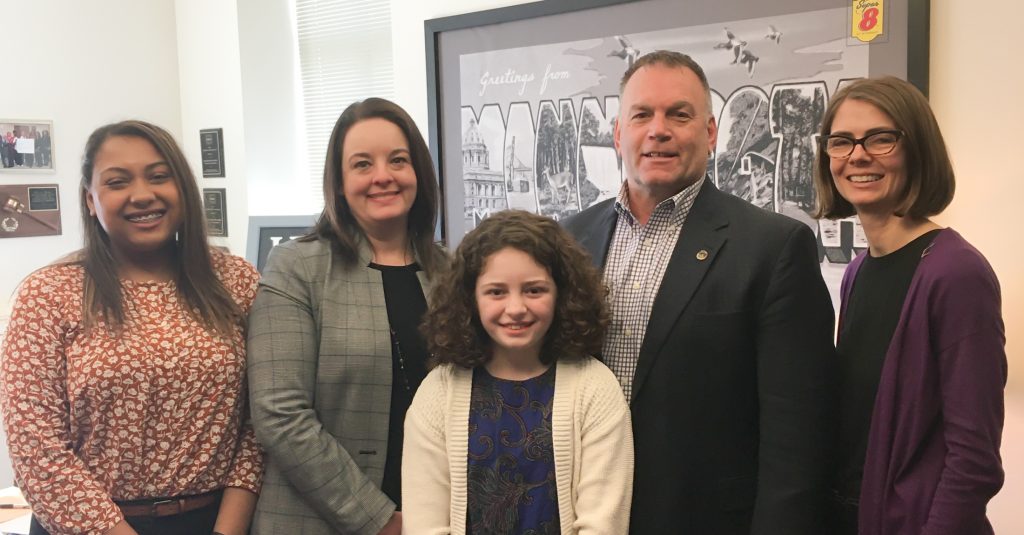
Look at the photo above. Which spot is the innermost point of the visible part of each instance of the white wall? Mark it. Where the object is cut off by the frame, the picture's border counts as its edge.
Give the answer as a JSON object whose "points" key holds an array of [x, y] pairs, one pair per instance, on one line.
{"points": [[81, 67], [976, 99], [272, 112], [211, 97]]}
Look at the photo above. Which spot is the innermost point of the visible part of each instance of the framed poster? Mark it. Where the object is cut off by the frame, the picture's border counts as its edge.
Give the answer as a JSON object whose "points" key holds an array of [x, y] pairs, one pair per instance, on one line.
{"points": [[28, 210], [267, 231], [26, 146], [523, 100], [216, 208], [211, 143]]}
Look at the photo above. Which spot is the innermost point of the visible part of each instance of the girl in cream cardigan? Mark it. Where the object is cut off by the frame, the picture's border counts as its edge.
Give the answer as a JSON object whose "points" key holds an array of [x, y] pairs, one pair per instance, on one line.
{"points": [[518, 429]]}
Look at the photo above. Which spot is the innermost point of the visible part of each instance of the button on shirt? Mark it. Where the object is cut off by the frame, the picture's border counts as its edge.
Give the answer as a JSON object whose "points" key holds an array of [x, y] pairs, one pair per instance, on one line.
{"points": [[637, 259]]}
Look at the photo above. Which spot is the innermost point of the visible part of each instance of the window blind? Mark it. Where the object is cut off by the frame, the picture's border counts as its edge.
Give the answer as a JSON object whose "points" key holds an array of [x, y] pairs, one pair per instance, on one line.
{"points": [[344, 56]]}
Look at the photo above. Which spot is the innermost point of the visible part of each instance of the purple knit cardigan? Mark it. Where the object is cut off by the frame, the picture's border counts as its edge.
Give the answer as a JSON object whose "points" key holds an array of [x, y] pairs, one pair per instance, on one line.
{"points": [[932, 459]]}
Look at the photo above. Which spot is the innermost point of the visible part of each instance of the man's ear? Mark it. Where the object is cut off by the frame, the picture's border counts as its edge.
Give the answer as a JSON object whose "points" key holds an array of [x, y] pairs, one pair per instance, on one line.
{"points": [[712, 134]]}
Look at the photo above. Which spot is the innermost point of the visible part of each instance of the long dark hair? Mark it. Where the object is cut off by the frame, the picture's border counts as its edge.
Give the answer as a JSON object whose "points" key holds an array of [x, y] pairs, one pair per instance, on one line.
{"points": [[197, 282], [337, 224]]}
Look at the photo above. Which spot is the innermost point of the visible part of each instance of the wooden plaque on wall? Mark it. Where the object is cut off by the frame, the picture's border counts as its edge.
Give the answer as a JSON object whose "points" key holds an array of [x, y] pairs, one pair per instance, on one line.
{"points": [[29, 210]]}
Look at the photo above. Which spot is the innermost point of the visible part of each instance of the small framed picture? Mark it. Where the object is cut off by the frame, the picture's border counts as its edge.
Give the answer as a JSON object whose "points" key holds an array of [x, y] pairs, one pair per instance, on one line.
{"points": [[43, 199], [212, 143], [216, 207], [266, 232], [29, 210], [26, 146]]}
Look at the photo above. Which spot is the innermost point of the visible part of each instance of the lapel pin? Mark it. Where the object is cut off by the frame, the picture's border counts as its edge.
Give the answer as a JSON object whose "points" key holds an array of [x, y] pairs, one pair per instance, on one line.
{"points": [[702, 255]]}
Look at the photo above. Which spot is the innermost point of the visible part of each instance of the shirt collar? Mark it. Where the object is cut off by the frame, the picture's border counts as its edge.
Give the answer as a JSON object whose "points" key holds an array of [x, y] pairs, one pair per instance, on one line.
{"points": [[681, 202]]}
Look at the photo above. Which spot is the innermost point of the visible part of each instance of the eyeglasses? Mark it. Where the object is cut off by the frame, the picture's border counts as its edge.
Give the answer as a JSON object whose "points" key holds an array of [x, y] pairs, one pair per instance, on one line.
{"points": [[875, 144]]}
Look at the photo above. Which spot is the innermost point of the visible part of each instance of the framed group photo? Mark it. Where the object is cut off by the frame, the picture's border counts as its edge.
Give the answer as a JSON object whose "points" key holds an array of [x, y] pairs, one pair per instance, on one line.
{"points": [[523, 100], [26, 146]]}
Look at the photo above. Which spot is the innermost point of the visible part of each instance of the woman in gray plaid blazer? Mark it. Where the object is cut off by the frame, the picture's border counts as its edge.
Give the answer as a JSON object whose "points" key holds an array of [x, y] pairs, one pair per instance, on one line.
{"points": [[334, 328]]}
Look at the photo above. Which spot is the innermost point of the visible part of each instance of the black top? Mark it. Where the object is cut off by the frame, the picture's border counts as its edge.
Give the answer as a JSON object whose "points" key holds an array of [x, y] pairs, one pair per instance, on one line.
{"points": [[403, 297], [868, 323]]}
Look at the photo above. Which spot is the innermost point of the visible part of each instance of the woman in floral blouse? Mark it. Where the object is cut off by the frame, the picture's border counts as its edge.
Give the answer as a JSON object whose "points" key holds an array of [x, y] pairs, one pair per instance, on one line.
{"points": [[123, 372]]}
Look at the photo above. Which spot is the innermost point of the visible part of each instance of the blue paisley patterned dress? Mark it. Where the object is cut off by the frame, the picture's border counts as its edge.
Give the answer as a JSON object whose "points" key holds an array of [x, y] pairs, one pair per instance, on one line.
{"points": [[511, 466]]}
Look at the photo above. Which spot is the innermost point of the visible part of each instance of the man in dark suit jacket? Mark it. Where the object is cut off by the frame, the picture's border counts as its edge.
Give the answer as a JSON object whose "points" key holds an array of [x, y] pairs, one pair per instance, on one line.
{"points": [[721, 326]]}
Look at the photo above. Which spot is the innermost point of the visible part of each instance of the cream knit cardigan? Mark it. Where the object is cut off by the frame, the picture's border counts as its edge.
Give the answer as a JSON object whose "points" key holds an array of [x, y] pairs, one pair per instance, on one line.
{"points": [[591, 435]]}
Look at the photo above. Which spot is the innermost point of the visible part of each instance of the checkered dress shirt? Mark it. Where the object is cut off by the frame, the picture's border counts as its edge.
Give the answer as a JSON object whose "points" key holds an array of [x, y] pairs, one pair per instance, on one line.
{"points": [[637, 259]]}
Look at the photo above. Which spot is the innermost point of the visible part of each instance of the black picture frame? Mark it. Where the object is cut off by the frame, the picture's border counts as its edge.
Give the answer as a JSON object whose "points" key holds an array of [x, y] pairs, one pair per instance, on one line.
{"points": [[267, 231], [216, 208], [43, 199], [211, 145], [902, 50]]}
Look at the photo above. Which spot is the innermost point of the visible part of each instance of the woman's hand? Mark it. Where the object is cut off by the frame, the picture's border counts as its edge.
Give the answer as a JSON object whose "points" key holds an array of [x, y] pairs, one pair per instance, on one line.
{"points": [[394, 526], [236, 508]]}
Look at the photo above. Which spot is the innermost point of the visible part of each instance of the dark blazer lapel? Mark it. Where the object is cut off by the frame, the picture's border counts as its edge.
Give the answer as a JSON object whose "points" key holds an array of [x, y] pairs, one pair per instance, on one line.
{"points": [[596, 233], [699, 243]]}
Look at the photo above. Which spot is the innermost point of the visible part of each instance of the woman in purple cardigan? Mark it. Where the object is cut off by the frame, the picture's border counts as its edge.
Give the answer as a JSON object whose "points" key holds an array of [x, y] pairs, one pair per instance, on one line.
{"points": [[921, 340]]}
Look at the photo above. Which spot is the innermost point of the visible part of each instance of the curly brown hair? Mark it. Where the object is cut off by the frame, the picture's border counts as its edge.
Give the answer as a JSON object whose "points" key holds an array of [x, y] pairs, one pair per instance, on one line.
{"points": [[452, 325]]}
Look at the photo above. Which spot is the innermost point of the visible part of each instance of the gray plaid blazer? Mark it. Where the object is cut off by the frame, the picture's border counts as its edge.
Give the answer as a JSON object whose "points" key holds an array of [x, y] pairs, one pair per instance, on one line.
{"points": [[320, 388]]}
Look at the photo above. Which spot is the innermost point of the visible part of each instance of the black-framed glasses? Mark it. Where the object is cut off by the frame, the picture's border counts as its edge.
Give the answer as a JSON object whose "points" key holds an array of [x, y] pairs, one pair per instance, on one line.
{"points": [[876, 143]]}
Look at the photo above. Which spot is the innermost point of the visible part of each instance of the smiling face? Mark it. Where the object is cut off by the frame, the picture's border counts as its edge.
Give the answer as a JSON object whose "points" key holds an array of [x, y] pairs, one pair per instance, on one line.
{"points": [[515, 299], [134, 196], [378, 179], [872, 184], [665, 131]]}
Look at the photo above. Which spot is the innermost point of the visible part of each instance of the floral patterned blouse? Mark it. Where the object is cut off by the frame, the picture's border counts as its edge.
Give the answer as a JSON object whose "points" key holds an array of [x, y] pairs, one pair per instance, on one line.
{"points": [[511, 467], [156, 411]]}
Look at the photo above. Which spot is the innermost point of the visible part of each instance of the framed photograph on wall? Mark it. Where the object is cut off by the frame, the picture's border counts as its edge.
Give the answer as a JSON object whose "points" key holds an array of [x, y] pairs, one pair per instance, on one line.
{"points": [[523, 100], [26, 146]]}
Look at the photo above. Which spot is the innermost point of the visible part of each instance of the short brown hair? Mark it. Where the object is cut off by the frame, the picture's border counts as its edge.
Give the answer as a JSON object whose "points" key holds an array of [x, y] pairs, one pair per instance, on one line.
{"points": [[668, 58], [337, 224], [929, 183], [452, 326]]}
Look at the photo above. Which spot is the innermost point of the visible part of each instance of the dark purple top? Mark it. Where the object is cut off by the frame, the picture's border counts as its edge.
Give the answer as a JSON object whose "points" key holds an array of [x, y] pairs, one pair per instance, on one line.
{"points": [[511, 466], [932, 460]]}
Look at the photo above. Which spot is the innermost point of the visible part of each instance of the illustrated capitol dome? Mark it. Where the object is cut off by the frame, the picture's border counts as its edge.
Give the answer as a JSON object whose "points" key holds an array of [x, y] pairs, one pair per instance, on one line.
{"points": [[484, 188], [474, 152]]}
